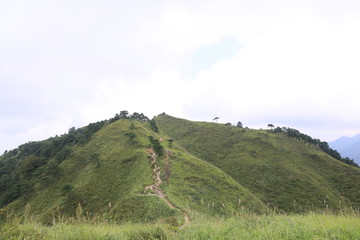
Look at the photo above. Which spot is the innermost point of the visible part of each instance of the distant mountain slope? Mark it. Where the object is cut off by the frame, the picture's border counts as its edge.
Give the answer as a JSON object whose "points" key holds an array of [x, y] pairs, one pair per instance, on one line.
{"points": [[345, 142], [353, 152], [283, 172], [348, 147], [110, 174]]}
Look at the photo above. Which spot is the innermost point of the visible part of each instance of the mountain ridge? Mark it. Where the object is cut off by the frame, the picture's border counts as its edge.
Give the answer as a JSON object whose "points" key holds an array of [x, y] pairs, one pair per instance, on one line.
{"points": [[107, 175], [105, 170], [348, 147], [245, 150]]}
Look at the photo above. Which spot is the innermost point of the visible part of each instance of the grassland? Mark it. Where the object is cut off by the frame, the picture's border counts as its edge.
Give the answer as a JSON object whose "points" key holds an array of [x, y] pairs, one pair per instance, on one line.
{"points": [[232, 183], [108, 187], [248, 226], [286, 174], [199, 187], [106, 179]]}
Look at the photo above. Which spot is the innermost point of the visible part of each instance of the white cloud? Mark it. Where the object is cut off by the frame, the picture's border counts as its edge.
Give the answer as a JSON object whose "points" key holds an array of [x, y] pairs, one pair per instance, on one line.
{"points": [[162, 92], [35, 132], [300, 72], [87, 60]]}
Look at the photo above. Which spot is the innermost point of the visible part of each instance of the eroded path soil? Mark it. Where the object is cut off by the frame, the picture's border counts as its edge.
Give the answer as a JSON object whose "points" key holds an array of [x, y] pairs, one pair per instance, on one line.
{"points": [[156, 189]]}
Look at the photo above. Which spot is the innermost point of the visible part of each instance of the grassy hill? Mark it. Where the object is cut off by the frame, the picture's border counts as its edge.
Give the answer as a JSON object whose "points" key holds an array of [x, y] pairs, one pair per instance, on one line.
{"points": [[104, 174], [107, 171], [285, 173]]}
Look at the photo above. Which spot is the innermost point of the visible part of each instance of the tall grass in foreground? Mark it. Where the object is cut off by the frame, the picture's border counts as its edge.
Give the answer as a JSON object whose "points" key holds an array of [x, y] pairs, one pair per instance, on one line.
{"points": [[308, 226]]}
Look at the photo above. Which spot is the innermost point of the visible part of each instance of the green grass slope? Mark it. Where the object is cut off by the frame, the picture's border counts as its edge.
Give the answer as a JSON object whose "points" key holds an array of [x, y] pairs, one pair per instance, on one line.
{"points": [[284, 173], [199, 187], [105, 178]]}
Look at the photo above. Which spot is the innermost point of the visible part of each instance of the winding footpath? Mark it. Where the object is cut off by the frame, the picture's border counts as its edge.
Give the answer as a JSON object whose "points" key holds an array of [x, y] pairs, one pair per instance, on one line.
{"points": [[156, 189]]}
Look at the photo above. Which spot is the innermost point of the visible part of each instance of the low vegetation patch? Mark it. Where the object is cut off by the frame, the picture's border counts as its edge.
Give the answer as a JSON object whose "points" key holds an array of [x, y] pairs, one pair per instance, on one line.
{"points": [[249, 226]]}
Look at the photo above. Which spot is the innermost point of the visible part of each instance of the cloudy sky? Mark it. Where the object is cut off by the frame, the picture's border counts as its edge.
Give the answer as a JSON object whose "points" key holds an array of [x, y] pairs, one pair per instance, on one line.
{"points": [[70, 62]]}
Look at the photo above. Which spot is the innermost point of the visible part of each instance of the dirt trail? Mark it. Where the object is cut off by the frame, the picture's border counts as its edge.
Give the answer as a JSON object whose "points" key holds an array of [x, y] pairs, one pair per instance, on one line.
{"points": [[156, 189]]}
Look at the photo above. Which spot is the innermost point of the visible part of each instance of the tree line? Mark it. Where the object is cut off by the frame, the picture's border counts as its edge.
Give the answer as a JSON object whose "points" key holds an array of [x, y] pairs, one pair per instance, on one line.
{"points": [[125, 115], [324, 146], [41, 159]]}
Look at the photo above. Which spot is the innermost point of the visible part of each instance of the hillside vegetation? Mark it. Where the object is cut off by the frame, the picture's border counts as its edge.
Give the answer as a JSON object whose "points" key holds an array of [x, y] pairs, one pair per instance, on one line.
{"points": [[106, 174], [245, 227], [168, 170], [285, 173]]}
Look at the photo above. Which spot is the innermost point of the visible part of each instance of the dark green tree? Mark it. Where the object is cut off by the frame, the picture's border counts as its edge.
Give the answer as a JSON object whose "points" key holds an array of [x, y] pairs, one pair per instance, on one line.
{"points": [[124, 114], [156, 145], [115, 118], [140, 117], [131, 135], [239, 124], [72, 130], [153, 125]]}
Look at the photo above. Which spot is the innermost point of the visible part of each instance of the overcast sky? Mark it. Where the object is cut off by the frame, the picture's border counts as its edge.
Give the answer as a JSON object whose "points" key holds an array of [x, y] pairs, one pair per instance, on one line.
{"points": [[71, 62]]}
